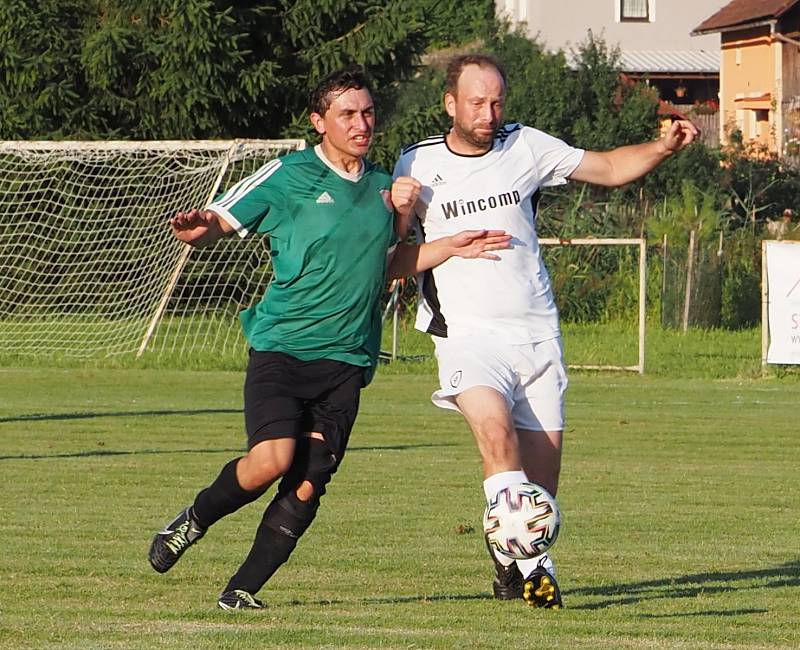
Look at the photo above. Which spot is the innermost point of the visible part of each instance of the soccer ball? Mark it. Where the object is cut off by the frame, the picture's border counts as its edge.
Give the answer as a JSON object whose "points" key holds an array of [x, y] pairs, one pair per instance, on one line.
{"points": [[522, 521]]}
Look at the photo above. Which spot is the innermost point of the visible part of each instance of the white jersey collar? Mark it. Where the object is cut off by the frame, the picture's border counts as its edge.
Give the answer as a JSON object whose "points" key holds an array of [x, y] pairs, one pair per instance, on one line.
{"points": [[354, 177]]}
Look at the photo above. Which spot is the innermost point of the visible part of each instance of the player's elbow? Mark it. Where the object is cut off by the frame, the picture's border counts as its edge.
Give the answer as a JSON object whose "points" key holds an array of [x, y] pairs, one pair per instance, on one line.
{"points": [[402, 262], [397, 269]]}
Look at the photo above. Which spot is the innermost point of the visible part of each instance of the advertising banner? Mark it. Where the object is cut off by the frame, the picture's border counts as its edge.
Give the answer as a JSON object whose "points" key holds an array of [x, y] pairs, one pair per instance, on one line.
{"points": [[783, 282]]}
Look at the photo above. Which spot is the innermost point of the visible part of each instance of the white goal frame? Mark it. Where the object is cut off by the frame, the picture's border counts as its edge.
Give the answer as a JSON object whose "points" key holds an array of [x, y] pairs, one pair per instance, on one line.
{"points": [[641, 243]]}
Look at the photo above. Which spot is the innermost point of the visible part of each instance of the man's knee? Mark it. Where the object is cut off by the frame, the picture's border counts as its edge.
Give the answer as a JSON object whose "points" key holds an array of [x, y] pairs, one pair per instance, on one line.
{"points": [[309, 479], [265, 463], [295, 506], [496, 437], [290, 516], [305, 491], [497, 433]]}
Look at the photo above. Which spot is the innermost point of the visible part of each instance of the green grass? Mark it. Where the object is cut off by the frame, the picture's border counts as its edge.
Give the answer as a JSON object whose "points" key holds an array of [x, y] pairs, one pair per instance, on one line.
{"points": [[712, 354], [679, 495], [698, 353]]}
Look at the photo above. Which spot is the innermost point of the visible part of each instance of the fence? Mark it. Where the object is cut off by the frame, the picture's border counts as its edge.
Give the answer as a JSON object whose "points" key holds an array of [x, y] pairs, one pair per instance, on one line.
{"points": [[708, 123]]}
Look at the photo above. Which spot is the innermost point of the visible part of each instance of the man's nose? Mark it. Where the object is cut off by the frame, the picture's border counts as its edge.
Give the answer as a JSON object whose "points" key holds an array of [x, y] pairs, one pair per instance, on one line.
{"points": [[360, 122], [487, 113]]}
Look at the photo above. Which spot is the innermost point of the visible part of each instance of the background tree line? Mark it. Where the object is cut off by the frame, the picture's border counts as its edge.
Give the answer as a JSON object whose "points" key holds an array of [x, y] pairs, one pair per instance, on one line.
{"points": [[218, 69]]}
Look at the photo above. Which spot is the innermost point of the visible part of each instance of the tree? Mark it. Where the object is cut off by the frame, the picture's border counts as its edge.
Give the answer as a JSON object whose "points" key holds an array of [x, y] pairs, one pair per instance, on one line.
{"points": [[188, 68], [43, 90], [579, 97]]}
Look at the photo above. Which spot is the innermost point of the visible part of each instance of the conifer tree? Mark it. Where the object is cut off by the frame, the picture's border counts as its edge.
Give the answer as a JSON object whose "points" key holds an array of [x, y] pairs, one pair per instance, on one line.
{"points": [[147, 69]]}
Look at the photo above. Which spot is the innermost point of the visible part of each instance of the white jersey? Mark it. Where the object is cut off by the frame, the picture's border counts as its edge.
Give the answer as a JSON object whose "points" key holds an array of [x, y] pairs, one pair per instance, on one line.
{"points": [[498, 190]]}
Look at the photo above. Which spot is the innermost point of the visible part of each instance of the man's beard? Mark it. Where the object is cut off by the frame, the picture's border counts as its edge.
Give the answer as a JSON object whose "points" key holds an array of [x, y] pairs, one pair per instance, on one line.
{"points": [[471, 137]]}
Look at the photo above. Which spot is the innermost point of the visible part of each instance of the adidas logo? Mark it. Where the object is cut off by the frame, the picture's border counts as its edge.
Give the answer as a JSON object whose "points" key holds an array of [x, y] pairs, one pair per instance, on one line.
{"points": [[437, 180], [325, 198]]}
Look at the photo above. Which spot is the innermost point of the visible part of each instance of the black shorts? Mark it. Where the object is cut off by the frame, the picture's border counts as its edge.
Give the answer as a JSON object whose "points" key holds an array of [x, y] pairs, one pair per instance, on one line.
{"points": [[285, 397]]}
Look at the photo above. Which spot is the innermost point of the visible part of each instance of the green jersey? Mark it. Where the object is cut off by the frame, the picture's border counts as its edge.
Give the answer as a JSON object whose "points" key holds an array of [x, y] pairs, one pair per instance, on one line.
{"points": [[330, 233]]}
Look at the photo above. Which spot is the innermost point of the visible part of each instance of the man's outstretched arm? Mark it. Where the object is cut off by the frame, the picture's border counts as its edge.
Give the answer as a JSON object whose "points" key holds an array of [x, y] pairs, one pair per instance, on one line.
{"points": [[625, 164]]}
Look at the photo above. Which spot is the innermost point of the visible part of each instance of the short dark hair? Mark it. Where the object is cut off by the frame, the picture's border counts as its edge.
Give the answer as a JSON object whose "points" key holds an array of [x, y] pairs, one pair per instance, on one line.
{"points": [[321, 97], [458, 63]]}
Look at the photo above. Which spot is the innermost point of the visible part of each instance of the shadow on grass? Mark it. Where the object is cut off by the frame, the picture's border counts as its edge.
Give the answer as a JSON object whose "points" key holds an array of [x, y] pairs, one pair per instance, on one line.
{"points": [[87, 415], [710, 612], [692, 586], [689, 586], [397, 600], [43, 417], [142, 452]]}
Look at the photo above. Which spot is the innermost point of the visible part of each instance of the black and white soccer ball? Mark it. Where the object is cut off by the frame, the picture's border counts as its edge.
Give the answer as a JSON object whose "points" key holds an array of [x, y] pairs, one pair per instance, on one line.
{"points": [[522, 521]]}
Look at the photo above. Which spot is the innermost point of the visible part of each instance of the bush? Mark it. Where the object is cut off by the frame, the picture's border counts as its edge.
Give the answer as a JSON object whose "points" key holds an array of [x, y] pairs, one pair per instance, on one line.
{"points": [[698, 164], [741, 280], [759, 184]]}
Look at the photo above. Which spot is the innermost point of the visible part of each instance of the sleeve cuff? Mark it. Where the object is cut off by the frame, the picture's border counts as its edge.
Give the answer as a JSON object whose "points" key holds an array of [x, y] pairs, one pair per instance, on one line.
{"points": [[232, 221]]}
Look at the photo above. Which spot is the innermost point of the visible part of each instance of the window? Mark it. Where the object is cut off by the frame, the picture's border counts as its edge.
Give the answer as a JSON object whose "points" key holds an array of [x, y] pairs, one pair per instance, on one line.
{"points": [[634, 10]]}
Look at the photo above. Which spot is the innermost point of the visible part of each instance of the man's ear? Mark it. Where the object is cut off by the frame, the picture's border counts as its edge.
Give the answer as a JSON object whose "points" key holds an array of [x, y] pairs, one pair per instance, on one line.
{"points": [[450, 104], [319, 122]]}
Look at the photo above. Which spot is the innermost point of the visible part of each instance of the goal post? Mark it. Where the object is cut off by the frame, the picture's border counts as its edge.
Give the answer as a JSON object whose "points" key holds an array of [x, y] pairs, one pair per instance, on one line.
{"points": [[88, 265], [641, 244]]}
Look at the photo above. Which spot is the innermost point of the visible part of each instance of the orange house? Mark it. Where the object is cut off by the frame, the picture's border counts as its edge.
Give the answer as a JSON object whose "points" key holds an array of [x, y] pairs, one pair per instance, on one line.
{"points": [[759, 71]]}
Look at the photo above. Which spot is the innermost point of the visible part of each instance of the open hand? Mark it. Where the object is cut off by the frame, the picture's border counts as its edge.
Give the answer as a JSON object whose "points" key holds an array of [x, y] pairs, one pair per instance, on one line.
{"points": [[478, 243]]}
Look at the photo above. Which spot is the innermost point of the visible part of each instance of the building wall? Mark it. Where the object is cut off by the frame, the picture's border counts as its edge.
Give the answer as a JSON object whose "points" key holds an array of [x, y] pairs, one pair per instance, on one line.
{"points": [[791, 68], [790, 116], [671, 22], [749, 69]]}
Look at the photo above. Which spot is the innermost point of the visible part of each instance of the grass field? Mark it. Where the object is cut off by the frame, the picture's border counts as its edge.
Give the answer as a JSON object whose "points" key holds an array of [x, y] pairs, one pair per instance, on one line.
{"points": [[698, 353], [679, 495]]}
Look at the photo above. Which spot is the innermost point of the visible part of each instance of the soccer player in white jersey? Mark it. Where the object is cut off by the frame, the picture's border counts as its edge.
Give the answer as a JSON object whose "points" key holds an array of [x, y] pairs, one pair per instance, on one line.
{"points": [[494, 323]]}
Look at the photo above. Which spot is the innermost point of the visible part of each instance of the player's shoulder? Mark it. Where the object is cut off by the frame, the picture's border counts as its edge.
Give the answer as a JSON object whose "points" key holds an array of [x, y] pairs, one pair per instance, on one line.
{"points": [[299, 157], [431, 143], [532, 135], [376, 169], [515, 132], [510, 130]]}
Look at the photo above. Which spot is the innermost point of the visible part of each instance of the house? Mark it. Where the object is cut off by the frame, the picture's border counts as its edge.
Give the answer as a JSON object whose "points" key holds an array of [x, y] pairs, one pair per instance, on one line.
{"points": [[759, 71], [654, 38]]}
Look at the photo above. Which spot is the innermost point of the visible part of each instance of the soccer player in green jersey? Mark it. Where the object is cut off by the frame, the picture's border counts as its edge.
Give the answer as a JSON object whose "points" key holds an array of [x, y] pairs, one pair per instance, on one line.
{"points": [[315, 335]]}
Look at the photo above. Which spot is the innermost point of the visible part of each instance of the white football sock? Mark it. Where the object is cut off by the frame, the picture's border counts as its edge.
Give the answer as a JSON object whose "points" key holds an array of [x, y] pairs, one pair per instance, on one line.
{"points": [[544, 560], [492, 486], [497, 482]]}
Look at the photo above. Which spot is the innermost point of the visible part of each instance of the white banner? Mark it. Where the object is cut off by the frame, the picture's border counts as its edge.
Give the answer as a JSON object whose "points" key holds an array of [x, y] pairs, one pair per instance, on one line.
{"points": [[783, 281]]}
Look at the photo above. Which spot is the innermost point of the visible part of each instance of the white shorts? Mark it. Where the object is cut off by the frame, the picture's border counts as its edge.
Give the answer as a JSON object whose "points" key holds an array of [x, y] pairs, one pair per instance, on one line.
{"points": [[531, 376]]}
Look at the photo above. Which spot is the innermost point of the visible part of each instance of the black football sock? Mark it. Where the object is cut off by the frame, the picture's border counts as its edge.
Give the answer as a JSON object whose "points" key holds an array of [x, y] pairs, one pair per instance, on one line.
{"points": [[284, 522], [222, 497]]}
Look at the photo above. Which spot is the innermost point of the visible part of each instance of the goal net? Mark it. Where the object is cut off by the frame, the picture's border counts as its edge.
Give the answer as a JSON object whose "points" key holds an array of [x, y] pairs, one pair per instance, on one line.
{"points": [[600, 286], [88, 264]]}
